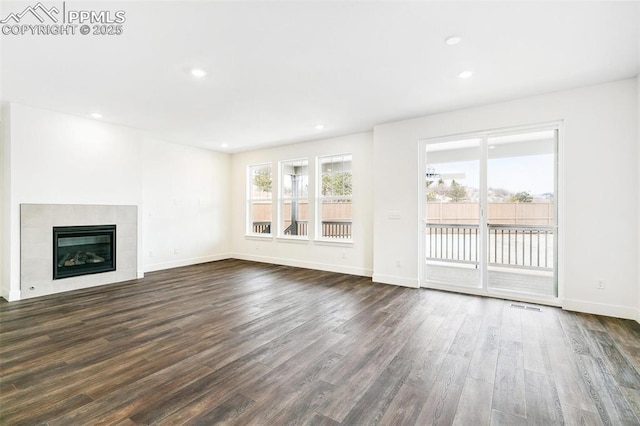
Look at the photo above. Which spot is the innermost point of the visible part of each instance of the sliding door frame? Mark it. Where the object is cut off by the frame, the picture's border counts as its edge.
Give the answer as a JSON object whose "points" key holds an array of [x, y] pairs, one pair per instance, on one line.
{"points": [[484, 290]]}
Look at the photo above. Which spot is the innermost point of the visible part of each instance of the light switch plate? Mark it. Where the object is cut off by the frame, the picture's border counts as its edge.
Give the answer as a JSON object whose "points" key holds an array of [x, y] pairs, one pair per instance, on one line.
{"points": [[393, 214]]}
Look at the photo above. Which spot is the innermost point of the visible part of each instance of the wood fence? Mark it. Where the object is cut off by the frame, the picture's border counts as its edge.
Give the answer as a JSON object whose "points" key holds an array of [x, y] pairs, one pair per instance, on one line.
{"points": [[437, 212], [333, 211], [498, 213]]}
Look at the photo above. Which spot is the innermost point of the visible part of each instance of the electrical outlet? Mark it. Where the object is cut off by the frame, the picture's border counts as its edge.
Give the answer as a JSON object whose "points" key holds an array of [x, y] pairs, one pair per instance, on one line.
{"points": [[398, 263], [601, 285]]}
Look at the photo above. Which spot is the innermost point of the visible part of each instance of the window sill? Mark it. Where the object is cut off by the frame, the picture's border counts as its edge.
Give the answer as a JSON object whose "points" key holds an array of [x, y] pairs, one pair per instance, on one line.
{"points": [[295, 240], [258, 237], [334, 242]]}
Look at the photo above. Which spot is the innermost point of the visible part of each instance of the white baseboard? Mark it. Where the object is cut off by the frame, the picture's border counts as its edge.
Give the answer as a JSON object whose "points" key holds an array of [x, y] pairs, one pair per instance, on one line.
{"points": [[184, 262], [10, 296], [617, 311], [394, 280], [341, 269]]}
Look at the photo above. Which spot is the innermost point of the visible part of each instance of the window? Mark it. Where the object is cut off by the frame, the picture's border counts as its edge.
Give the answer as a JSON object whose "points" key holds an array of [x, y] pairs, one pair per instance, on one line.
{"points": [[259, 199], [334, 218], [294, 202]]}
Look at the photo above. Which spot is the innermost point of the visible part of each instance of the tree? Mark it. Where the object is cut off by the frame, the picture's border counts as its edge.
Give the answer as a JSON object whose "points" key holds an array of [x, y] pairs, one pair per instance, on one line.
{"points": [[337, 184], [457, 192], [441, 189], [431, 195], [521, 197], [262, 179]]}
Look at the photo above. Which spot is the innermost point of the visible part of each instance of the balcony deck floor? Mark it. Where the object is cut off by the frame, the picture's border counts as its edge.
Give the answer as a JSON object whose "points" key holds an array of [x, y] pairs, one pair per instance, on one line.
{"points": [[518, 280]]}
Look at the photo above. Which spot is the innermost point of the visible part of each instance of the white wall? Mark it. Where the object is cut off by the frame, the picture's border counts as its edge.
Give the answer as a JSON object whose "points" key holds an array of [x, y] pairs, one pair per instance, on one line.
{"points": [[600, 167], [46, 153], [185, 205], [62, 159], [353, 258]]}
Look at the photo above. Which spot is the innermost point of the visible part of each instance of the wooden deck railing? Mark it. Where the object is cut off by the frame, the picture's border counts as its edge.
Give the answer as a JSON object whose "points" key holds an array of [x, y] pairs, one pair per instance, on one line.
{"points": [[522, 246], [261, 227], [514, 246], [452, 242], [336, 229], [329, 228], [300, 228]]}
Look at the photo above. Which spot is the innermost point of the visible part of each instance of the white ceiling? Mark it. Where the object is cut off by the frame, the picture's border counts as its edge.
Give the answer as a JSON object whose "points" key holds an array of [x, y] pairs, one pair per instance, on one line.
{"points": [[277, 69]]}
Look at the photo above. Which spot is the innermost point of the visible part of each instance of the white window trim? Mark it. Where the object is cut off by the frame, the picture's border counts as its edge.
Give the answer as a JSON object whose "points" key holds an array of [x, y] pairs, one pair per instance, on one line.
{"points": [[249, 200], [294, 239], [319, 239], [281, 199], [259, 237], [344, 242]]}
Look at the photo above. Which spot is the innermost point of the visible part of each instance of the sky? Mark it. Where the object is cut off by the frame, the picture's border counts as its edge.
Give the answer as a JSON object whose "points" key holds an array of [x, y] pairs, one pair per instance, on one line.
{"points": [[533, 174]]}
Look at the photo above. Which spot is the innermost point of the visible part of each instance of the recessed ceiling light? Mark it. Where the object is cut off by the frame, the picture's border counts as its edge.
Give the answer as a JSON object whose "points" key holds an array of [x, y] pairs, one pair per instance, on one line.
{"points": [[453, 39], [319, 126], [492, 147], [465, 74], [198, 72], [224, 145], [96, 115]]}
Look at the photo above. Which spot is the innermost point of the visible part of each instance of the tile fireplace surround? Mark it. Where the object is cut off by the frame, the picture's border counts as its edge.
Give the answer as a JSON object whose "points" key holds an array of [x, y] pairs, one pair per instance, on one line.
{"points": [[36, 245]]}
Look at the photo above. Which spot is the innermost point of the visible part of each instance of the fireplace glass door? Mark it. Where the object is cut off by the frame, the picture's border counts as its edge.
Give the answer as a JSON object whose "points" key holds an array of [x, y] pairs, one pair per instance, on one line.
{"points": [[83, 250]]}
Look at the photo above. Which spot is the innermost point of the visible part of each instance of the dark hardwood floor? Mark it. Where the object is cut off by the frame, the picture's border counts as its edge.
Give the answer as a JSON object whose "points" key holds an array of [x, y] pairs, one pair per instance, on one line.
{"points": [[237, 342]]}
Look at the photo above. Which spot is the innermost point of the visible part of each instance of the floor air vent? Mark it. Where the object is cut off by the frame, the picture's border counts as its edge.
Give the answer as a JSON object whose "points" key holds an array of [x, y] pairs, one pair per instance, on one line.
{"points": [[528, 308]]}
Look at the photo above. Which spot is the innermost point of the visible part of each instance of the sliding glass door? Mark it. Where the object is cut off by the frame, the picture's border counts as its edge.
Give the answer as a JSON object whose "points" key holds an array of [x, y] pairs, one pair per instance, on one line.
{"points": [[452, 214], [490, 213], [521, 220]]}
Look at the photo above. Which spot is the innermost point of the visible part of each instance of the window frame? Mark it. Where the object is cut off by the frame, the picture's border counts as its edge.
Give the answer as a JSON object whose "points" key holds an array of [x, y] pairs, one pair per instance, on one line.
{"points": [[282, 198], [250, 200], [320, 199]]}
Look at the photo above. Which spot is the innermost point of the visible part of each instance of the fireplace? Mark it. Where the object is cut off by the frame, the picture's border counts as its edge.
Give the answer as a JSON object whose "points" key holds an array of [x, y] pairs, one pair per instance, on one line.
{"points": [[83, 250]]}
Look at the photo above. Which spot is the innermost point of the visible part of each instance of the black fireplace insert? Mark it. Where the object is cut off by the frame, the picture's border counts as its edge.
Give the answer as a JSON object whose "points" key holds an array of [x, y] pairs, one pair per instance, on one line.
{"points": [[83, 250]]}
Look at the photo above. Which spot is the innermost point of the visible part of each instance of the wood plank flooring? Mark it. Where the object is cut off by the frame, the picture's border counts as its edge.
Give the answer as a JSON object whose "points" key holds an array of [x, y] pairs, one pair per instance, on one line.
{"points": [[235, 342]]}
